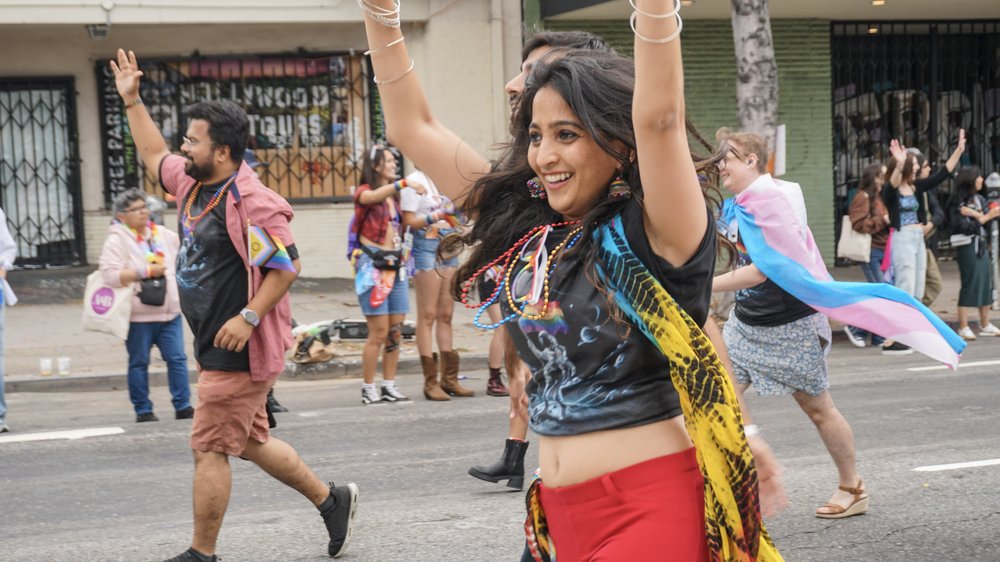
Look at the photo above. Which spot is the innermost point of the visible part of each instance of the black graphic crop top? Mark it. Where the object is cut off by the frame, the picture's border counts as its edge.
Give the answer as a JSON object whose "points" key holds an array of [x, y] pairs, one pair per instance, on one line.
{"points": [[587, 375]]}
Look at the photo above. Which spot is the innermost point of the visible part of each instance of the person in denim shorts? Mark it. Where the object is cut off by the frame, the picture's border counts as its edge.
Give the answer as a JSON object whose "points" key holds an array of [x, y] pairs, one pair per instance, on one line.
{"points": [[379, 278], [431, 217]]}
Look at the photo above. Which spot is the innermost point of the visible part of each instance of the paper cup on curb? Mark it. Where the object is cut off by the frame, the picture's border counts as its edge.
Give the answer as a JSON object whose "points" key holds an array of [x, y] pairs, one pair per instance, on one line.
{"points": [[63, 364], [45, 366]]}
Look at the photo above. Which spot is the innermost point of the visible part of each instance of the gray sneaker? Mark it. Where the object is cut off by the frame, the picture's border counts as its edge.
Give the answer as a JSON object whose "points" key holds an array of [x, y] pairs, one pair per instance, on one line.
{"points": [[338, 515]]}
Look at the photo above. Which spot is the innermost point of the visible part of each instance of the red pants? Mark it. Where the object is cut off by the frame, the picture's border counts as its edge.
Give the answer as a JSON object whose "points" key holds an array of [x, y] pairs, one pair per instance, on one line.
{"points": [[652, 511]]}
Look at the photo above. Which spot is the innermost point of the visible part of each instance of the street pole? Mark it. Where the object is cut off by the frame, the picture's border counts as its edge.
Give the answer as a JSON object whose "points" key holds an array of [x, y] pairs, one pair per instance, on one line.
{"points": [[994, 243]]}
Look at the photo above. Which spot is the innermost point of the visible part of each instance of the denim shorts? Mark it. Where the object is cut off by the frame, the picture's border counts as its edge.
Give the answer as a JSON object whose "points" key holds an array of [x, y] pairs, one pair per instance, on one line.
{"points": [[398, 301], [425, 252]]}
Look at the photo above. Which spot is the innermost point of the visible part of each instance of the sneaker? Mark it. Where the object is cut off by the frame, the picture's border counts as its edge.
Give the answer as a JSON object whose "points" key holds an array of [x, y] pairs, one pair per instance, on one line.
{"points": [[192, 555], [989, 330], [147, 417], [896, 349], [338, 515], [4, 428], [966, 333], [370, 396], [184, 414], [853, 338], [392, 394]]}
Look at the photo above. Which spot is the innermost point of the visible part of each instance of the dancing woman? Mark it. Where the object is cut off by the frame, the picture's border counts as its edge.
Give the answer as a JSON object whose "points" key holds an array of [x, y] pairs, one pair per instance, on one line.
{"points": [[591, 277]]}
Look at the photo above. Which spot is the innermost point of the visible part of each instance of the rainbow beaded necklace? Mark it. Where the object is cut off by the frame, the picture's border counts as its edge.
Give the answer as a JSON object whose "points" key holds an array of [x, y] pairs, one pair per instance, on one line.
{"points": [[188, 222], [539, 262]]}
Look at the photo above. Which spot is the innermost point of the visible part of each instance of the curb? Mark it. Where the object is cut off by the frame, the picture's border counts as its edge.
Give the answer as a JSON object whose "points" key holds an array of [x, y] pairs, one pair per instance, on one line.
{"points": [[337, 368]]}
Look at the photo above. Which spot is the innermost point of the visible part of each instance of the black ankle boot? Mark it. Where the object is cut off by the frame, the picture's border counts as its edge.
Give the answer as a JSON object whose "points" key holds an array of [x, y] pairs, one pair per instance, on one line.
{"points": [[509, 467], [273, 404]]}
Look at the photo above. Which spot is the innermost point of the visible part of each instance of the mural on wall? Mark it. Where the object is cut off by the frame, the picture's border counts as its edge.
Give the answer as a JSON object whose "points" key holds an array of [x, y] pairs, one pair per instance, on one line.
{"points": [[308, 121]]}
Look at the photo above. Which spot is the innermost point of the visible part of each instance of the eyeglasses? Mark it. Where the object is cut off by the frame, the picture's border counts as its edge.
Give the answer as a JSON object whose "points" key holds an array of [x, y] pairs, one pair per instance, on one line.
{"points": [[190, 142], [136, 209]]}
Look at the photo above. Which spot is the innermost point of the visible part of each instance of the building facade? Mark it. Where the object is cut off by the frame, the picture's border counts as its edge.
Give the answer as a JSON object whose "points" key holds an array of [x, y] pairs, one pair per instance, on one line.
{"points": [[298, 70]]}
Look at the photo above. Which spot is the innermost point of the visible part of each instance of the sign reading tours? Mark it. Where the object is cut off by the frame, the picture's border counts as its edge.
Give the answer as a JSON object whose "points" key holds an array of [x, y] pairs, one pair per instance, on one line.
{"points": [[307, 118]]}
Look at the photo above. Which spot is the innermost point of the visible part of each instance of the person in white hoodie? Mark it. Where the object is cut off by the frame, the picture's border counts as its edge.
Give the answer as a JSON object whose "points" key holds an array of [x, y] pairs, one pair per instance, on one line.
{"points": [[8, 251], [141, 253]]}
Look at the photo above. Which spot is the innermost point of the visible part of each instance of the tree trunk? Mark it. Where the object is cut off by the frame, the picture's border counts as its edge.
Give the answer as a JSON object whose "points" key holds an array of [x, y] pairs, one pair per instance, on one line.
{"points": [[756, 69]]}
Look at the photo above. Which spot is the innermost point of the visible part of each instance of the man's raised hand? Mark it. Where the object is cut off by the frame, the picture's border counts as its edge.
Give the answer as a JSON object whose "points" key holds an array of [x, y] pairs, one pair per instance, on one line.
{"points": [[127, 75]]}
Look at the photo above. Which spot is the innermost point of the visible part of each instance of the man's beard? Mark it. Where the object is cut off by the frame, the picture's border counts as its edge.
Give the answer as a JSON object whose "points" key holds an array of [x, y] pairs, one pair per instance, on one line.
{"points": [[197, 172]]}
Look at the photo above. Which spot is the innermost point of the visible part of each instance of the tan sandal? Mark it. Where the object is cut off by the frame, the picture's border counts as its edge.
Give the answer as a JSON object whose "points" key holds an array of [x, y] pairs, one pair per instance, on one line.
{"points": [[858, 506]]}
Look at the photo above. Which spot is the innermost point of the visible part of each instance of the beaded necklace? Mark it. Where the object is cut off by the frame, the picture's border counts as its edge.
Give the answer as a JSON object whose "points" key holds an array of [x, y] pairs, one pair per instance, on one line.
{"points": [[190, 223], [540, 262]]}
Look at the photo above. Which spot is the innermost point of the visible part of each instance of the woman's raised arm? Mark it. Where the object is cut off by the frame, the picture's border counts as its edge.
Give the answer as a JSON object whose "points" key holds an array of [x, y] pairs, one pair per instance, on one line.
{"points": [[675, 214], [435, 149]]}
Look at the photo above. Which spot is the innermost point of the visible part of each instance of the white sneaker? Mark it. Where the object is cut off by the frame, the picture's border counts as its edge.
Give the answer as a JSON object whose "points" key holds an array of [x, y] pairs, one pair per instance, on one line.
{"points": [[392, 394], [966, 333], [989, 330], [370, 396], [854, 339]]}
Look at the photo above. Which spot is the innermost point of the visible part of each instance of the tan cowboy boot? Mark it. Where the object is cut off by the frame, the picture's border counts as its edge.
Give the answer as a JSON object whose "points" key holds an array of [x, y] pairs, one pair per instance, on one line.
{"points": [[449, 375], [432, 391]]}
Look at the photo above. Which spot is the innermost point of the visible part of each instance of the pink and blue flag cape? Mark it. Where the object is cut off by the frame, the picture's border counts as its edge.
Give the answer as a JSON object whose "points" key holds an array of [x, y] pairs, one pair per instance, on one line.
{"points": [[267, 251], [795, 264]]}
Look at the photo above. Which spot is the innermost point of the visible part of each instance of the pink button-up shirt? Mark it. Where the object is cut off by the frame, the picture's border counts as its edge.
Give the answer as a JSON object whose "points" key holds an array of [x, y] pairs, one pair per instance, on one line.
{"points": [[248, 200]]}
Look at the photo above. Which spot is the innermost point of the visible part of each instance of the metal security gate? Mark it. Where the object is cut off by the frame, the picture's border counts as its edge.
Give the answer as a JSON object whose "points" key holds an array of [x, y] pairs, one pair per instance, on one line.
{"points": [[40, 170], [309, 118], [916, 81]]}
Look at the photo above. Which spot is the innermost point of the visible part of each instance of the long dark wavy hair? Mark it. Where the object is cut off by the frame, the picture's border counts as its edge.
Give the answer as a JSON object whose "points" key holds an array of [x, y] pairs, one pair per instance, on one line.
{"points": [[965, 184], [598, 88]]}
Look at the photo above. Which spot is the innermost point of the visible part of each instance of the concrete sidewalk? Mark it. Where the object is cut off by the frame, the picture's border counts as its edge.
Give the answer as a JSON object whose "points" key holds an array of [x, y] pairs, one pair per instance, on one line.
{"points": [[46, 324]]}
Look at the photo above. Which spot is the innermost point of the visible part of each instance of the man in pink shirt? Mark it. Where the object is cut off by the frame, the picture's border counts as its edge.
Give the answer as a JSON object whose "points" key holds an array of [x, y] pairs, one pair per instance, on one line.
{"points": [[239, 312]]}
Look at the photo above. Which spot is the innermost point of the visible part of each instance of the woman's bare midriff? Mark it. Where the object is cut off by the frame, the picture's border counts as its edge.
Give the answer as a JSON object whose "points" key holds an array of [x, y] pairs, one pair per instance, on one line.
{"points": [[389, 235], [576, 458]]}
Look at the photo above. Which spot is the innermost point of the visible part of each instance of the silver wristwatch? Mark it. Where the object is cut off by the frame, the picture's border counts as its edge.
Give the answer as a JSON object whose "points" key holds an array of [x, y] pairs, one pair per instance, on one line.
{"points": [[250, 316]]}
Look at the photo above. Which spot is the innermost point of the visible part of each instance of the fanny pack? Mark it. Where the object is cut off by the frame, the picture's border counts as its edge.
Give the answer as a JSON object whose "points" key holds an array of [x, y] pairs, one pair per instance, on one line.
{"points": [[386, 260], [154, 291]]}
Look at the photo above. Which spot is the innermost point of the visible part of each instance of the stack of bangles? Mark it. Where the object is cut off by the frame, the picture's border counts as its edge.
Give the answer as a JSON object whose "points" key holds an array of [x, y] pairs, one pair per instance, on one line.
{"points": [[399, 184], [676, 13]]}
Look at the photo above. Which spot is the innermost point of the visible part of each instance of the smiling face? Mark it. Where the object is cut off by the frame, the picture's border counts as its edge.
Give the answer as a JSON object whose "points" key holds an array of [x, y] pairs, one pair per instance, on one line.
{"points": [[388, 168], [574, 170], [737, 170], [515, 88]]}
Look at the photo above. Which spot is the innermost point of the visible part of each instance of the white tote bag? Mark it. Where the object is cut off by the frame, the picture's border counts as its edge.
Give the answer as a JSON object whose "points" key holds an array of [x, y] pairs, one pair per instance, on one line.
{"points": [[105, 308], [853, 245]]}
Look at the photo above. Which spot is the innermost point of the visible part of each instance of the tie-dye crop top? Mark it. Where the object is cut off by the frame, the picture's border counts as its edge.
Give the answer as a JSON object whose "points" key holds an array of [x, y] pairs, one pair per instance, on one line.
{"points": [[590, 373]]}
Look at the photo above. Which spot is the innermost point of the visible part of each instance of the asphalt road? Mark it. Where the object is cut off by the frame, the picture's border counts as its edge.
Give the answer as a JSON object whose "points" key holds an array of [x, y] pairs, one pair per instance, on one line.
{"points": [[126, 496]]}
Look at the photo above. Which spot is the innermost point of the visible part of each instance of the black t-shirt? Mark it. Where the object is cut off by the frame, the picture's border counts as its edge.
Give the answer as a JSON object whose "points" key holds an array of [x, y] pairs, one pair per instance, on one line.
{"points": [[212, 282], [765, 304], [588, 374]]}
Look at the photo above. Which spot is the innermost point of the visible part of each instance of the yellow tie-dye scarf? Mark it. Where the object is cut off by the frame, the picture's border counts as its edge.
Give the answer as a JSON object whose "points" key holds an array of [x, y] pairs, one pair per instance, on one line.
{"points": [[733, 526]]}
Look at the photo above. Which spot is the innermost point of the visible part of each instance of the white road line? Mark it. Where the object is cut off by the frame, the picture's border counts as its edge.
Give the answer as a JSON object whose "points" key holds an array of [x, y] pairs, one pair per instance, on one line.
{"points": [[945, 367], [67, 434], [956, 466]]}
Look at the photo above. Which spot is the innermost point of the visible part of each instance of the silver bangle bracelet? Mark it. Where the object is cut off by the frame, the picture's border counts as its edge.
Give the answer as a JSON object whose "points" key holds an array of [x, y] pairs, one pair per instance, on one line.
{"points": [[751, 430], [386, 46], [667, 39], [395, 78], [677, 8]]}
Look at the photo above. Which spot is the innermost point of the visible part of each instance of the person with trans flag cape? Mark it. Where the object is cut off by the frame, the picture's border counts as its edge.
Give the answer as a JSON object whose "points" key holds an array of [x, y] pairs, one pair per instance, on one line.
{"points": [[778, 335]]}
